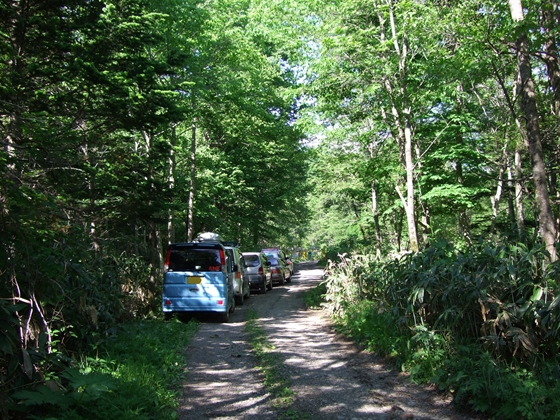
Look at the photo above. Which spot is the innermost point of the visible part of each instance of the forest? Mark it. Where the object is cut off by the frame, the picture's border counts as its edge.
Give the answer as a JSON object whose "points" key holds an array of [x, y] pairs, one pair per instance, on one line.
{"points": [[415, 144]]}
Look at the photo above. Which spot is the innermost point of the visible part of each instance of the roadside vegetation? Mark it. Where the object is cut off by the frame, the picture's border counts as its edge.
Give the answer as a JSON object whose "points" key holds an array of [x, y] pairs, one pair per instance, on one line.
{"points": [[315, 297], [135, 373], [482, 323]]}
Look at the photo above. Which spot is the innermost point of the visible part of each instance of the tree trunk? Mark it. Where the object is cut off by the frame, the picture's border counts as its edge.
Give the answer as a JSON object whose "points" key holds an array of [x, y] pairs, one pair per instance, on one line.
{"points": [[171, 184], [402, 115], [495, 199], [425, 215], [463, 224], [410, 216], [516, 10], [376, 219], [528, 106], [551, 20], [190, 218], [520, 220]]}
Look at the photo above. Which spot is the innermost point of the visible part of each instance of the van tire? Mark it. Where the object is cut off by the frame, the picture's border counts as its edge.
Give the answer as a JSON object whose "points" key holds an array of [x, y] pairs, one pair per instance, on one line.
{"points": [[262, 290], [224, 317], [239, 299], [270, 285]]}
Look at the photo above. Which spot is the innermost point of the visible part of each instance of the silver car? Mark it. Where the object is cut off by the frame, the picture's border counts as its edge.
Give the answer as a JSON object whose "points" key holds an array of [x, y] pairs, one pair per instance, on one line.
{"points": [[257, 268], [241, 288]]}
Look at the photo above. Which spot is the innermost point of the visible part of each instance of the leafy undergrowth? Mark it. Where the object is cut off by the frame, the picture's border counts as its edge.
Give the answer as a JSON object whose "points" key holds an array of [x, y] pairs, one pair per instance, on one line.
{"points": [[314, 297], [482, 324], [135, 375]]}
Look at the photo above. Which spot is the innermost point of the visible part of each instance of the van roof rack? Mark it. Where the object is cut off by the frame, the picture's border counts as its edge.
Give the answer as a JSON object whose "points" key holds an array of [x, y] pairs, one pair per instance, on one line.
{"points": [[232, 244], [209, 237]]}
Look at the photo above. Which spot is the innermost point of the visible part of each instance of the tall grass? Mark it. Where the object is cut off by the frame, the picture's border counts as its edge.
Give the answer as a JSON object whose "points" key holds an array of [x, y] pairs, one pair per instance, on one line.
{"points": [[482, 323]]}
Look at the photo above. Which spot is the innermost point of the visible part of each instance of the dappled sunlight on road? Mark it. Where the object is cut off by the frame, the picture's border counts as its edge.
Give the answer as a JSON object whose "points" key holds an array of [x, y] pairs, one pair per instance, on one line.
{"points": [[330, 376]]}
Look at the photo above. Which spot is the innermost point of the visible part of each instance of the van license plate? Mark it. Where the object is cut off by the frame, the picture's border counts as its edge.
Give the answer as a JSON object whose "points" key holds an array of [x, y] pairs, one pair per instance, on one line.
{"points": [[194, 279]]}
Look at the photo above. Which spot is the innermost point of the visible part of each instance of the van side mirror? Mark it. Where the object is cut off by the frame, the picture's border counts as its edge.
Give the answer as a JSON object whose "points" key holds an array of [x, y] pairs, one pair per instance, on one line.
{"points": [[267, 263], [235, 268]]}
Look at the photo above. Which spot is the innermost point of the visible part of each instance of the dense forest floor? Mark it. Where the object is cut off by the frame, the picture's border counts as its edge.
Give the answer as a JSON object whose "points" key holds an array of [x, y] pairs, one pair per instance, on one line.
{"points": [[329, 376]]}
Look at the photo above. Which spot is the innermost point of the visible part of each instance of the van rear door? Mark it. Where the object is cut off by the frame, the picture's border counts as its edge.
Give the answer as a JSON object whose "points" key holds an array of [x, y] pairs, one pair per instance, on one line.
{"points": [[195, 278]]}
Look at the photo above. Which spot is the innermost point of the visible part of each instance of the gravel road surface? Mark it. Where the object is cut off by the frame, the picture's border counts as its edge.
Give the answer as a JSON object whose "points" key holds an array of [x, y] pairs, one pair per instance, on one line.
{"points": [[332, 378]]}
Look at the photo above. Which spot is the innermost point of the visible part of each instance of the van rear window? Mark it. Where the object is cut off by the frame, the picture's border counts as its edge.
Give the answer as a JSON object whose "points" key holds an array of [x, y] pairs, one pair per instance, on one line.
{"points": [[188, 259]]}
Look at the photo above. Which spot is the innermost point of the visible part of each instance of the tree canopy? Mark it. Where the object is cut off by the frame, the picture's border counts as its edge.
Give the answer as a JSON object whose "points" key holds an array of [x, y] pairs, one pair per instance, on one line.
{"points": [[343, 125]]}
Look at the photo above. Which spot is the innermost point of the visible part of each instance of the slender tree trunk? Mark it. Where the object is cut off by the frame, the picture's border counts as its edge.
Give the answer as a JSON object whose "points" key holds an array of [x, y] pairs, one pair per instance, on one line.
{"points": [[190, 211], [528, 107], [398, 230], [463, 222], [551, 20], [520, 220], [516, 10], [495, 199], [154, 236], [357, 214], [425, 215], [171, 183], [376, 219], [511, 194], [410, 207], [402, 115]]}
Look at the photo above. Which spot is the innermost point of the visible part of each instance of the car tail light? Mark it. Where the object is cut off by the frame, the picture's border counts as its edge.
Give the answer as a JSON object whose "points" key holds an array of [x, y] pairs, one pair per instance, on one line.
{"points": [[220, 302], [223, 261], [167, 302], [260, 271], [167, 258]]}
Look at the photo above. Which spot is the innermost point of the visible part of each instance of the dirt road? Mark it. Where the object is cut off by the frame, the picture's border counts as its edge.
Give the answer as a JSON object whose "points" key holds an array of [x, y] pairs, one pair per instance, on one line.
{"points": [[331, 377]]}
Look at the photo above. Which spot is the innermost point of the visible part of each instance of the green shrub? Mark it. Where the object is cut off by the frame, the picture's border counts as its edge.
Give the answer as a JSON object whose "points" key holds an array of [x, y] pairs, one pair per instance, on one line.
{"points": [[137, 377], [315, 297], [500, 299], [476, 379]]}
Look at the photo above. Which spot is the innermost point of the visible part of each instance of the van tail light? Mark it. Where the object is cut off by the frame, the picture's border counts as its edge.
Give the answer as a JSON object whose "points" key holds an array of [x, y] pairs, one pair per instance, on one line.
{"points": [[223, 260], [167, 258], [238, 275], [260, 271]]}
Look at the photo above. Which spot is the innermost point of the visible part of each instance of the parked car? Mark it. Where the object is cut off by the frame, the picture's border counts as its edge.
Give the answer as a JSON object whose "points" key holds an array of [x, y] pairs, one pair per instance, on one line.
{"points": [[198, 278], [278, 269], [290, 263], [241, 288], [258, 270], [277, 253]]}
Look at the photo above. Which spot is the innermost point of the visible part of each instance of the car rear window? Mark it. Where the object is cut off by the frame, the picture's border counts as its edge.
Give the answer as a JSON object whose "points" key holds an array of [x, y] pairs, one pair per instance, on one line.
{"points": [[189, 259], [252, 260], [273, 261]]}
